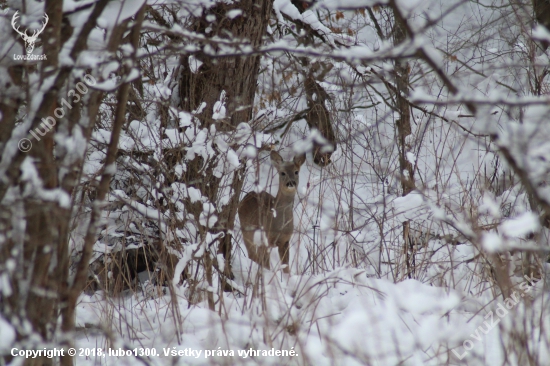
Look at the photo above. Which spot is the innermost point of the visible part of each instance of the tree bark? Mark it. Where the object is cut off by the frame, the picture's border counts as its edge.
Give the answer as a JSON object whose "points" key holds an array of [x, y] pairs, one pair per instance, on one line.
{"points": [[318, 118], [403, 127]]}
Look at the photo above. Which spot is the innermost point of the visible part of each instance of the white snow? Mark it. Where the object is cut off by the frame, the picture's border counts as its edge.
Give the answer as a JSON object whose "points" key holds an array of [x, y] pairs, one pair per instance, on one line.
{"points": [[7, 335], [520, 226], [492, 242], [194, 64], [232, 14], [219, 107]]}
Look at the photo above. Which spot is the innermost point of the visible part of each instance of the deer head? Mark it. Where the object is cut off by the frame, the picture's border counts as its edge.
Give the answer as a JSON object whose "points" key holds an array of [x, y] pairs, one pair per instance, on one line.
{"points": [[29, 40], [288, 172]]}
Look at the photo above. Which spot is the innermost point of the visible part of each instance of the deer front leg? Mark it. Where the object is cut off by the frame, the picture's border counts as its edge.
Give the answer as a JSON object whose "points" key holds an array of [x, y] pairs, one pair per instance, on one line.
{"points": [[248, 238], [263, 256], [284, 248]]}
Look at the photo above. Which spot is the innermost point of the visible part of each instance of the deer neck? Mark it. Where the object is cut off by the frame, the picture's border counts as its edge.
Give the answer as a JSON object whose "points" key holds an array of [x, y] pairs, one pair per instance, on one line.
{"points": [[284, 207], [284, 204]]}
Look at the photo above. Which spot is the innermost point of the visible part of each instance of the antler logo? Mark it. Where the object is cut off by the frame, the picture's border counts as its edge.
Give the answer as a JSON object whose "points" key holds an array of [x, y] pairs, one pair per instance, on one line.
{"points": [[29, 40]]}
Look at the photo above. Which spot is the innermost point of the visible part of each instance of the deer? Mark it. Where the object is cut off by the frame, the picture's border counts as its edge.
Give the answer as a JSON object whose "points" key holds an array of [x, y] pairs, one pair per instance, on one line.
{"points": [[29, 40], [273, 215]]}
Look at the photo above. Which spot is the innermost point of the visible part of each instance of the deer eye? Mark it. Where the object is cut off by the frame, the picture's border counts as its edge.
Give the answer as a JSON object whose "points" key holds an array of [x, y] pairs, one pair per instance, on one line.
{"points": [[296, 172], [283, 174]]}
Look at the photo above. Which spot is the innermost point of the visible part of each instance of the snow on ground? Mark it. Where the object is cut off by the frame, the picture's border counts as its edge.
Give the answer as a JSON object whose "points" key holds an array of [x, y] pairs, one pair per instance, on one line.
{"points": [[338, 318]]}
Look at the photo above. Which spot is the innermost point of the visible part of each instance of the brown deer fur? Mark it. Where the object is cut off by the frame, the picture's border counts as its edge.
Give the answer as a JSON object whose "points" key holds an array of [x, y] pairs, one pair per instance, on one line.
{"points": [[273, 215]]}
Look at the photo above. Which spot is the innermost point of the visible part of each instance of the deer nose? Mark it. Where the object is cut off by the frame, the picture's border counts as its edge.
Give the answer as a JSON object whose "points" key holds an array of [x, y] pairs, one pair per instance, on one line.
{"points": [[291, 184]]}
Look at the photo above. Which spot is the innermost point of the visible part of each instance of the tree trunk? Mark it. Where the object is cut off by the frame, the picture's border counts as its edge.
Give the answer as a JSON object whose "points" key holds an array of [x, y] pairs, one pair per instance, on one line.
{"points": [[403, 126], [318, 116], [237, 76]]}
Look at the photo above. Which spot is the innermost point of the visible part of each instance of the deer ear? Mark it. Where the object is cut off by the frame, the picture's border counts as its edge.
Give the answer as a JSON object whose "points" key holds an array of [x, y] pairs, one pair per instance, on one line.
{"points": [[276, 159], [299, 160]]}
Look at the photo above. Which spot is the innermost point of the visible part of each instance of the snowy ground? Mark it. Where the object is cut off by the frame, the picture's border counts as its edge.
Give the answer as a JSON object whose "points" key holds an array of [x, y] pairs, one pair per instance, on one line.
{"points": [[340, 318], [356, 314]]}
